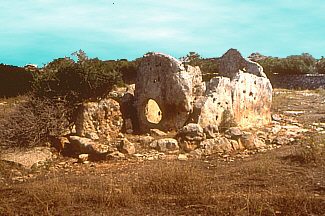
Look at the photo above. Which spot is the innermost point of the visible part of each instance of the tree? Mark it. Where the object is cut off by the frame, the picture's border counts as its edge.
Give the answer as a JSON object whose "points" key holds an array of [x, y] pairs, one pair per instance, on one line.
{"points": [[320, 66]]}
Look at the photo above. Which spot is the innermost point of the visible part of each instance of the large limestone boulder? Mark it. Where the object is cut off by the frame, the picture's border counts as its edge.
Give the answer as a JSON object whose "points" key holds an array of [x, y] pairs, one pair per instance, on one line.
{"points": [[251, 100], [101, 120], [241, 97], [165, 91]]}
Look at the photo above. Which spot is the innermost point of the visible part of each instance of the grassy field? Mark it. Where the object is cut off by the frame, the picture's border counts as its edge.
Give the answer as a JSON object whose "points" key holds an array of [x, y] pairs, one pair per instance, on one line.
{"points": [[285, 181]]}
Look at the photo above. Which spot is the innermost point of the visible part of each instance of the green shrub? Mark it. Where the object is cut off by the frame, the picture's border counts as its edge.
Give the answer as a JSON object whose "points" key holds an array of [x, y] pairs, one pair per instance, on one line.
{"points": [[14, 81], [76, 81]]}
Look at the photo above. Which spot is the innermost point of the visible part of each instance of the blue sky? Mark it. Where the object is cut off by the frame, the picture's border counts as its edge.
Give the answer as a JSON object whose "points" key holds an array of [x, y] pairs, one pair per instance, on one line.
{"points": [[37, 31]]}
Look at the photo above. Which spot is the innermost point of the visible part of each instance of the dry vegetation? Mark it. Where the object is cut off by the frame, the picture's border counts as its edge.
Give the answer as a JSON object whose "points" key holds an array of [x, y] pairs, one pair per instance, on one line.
{"points": [[284, 181]]}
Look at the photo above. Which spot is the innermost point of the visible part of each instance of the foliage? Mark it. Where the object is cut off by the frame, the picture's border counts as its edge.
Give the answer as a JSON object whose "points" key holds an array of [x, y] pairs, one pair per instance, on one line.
{"points": [[32, 122], [76, 81], [320, 66], [14, 80], [209, 67], [295, 64]]}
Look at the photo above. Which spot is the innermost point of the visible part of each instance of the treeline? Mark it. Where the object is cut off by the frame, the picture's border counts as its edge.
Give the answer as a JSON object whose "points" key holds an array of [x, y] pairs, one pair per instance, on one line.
{"points": [[83, 78], [295, 64], [14, 80]]}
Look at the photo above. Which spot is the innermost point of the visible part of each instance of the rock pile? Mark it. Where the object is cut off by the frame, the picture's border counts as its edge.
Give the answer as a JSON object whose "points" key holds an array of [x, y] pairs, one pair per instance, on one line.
{"points": [[182, 116]]}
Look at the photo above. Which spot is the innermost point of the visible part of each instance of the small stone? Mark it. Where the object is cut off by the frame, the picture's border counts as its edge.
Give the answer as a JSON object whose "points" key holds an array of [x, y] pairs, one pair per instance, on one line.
{"points": [[127, 147], [157, 132], [120, 135], [191, 132], [276, 117], [211, 131], [165, 145], [115, 155], [182, 157], [234, 132], [83, 157]]}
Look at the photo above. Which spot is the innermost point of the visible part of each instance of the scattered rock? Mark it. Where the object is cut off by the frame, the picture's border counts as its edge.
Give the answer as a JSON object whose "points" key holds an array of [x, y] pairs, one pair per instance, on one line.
{"points": [[276, 117], [82, 145], [145, 140], [234, 132], [115, 156], [165, 145], [28, 158], [182, 157], [251, 141], [216, 145], [127, 147], [211, 131], [236, 145], [157, 132], [83, 157], [191, 132]]}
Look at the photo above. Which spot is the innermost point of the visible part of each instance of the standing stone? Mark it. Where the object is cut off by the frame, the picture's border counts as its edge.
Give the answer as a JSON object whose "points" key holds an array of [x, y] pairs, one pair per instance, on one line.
{"points": [[99, 120], [165, 91]]}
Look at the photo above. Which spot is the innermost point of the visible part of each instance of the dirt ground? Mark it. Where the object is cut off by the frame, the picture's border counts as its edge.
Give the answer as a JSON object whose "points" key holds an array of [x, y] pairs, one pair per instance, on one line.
{"points": [[289, 180]]}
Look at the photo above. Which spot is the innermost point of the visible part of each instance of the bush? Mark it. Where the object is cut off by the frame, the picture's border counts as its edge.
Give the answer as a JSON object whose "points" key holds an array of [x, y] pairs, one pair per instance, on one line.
{"points": [[76, 81], [295, 64], [33, 122], [14, 81], [320, 66]]}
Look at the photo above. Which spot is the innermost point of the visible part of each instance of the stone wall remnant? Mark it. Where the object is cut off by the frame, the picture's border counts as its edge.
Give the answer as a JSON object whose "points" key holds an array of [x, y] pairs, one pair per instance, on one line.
{"points": [[169, 95], [100, 120]]}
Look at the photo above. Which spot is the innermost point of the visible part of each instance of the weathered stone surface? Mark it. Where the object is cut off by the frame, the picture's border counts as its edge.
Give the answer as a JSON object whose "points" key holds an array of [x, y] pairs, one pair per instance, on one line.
{"points": [[165, 145], [211, 131], [234, 132], [191, 132], [28, 158], [169, 95], [126, 147], [145, 140], [115, 156], [83, 157], [251, 100], [82, 145], [99, 120], [172, 86], [216, 145], [251, 141], [232, 61], [157, 132], [237, 145], [210, 108]]}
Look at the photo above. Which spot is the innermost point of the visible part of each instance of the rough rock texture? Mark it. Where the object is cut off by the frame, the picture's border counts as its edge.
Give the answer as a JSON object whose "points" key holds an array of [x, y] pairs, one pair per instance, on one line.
{"points": [[191, 132], [99, 120], [28, 158], [232, 61], [82, 145], [251, 100], [172, 86], [210, 108], [165, 145], [169, 95], [126, 147]]}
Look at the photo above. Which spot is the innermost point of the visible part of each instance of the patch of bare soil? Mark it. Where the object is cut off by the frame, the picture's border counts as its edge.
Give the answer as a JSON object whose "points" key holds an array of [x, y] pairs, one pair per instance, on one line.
{"points": [[284, 181]]}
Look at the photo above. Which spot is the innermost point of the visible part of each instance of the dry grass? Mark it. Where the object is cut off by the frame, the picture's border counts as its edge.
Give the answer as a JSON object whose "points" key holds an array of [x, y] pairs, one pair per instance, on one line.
{"points": [[263, 185]]}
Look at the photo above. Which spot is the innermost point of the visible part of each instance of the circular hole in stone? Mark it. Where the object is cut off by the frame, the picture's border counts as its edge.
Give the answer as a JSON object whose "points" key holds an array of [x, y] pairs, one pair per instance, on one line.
{"points": [[153, 112]]}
